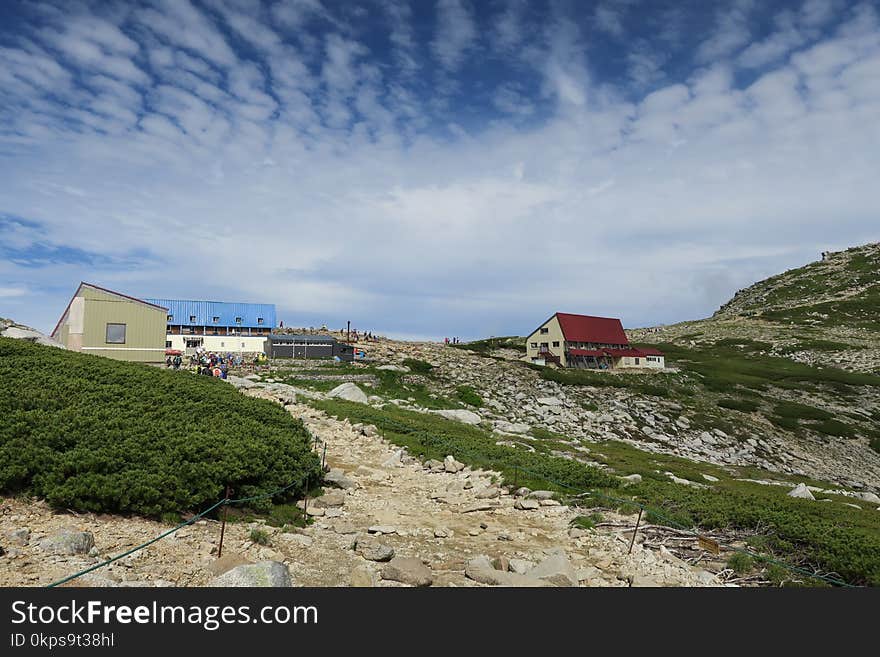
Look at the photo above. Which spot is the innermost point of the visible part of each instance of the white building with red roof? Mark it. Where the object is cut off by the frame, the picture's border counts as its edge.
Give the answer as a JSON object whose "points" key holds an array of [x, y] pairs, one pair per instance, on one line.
{"points": [[587, 342]]}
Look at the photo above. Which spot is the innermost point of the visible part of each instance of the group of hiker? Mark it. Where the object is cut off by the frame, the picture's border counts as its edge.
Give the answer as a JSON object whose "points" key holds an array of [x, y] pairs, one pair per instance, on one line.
{"points": [[450, 341], [209, 363], [367, 336]]}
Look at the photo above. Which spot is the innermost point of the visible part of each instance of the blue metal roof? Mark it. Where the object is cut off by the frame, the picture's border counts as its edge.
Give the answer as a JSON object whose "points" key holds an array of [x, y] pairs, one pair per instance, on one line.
{"points": [[204, 313]]}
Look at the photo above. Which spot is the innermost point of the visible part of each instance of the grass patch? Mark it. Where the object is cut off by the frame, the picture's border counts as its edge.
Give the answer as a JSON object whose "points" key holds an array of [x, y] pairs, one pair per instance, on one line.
{"points": [[741, 563], [587, 522], [800, 411], [259, 536], [469, 396], [418, 366], [742, 405], [831, 427]]}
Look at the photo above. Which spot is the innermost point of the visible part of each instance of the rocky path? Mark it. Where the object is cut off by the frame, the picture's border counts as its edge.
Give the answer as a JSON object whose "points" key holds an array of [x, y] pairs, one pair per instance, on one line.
{"points": [[394, 523]]}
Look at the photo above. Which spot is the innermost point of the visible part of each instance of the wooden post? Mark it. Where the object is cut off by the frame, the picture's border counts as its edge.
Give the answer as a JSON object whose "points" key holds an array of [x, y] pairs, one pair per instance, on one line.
{"points": [[324, 457], [223, 524], [635, 531], [306, 503]]}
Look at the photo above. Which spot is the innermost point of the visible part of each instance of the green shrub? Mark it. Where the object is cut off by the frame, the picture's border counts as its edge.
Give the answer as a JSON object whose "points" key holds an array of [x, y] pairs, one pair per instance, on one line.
{"points": [[93, 434], [800, 411], [743, 405], [587, 522], [740, 563], [469, 396], [789, 423], [259, 536], [418, 366], [831, 427]]}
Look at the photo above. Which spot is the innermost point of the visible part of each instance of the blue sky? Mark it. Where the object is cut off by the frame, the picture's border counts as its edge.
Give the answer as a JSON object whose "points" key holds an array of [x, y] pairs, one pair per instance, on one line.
{"points": [[432, 168]]}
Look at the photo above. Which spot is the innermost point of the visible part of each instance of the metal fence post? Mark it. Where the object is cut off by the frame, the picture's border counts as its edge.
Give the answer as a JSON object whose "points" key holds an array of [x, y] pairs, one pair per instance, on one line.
{"points": [[635, 531], [223, 523]]}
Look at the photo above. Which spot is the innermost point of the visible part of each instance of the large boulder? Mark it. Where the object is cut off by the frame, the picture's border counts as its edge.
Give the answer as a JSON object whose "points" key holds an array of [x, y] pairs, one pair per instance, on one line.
{"points": [[557, 569], [459, 415], [408, 570], [263, 574], [801, 491], [372, 550], [330, 499], [349, 392], [337, 477], [68, 541]]}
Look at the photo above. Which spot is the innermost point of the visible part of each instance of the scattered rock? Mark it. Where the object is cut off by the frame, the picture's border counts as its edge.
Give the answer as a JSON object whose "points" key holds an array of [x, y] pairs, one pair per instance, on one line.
{"points": [[18, 537], [480, 570], [526, 505], [382, 529], [362, 577], [451, 465], [372, 551], [68, 541], [408, 570], [264, 573], [393, 460]]}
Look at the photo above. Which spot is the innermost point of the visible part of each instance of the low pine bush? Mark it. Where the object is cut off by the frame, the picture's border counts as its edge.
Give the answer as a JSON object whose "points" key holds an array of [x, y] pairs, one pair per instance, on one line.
{"points": [[93, 434]]}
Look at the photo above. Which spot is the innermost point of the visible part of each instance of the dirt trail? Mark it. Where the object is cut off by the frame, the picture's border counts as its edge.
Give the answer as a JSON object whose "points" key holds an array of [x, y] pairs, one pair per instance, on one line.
{"points": [[427, 515]]}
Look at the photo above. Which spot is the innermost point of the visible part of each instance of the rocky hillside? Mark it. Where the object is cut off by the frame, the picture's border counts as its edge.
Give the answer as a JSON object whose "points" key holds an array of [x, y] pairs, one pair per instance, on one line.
{"points": [[841, 290], [826, 313]]}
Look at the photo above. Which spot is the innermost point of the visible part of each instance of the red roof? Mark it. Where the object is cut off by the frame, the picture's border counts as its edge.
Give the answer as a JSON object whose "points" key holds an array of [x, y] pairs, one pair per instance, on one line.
{"points": [[584, 328]]}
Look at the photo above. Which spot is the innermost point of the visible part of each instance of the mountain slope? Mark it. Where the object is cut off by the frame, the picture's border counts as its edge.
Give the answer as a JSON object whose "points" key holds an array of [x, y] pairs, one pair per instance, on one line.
{"points": [[826, 313]]}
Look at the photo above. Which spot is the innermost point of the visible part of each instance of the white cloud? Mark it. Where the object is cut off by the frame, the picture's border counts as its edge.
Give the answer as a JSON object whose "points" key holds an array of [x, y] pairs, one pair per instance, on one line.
{"points": [[456, 33], [731, 33]]}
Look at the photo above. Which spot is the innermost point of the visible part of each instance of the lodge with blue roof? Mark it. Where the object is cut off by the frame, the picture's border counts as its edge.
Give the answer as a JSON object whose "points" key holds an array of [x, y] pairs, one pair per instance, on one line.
{"points": [[217, 325]]}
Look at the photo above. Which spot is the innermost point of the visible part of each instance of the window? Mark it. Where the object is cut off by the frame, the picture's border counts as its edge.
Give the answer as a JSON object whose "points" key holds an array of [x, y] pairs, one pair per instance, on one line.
{"points": [[170, 318], [534, 345], [222, 344], [216, 319], [556, 344], [238, 320], [168, 344], [242, 345], [115, 334], [544, 345], [192, 318], [544, 331], [259, 320], [637, 361]]}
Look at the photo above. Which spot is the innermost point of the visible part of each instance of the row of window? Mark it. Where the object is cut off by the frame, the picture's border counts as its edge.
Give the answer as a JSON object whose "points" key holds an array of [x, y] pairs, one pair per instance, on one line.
{"points": [[544, 345], [216, 319]]}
